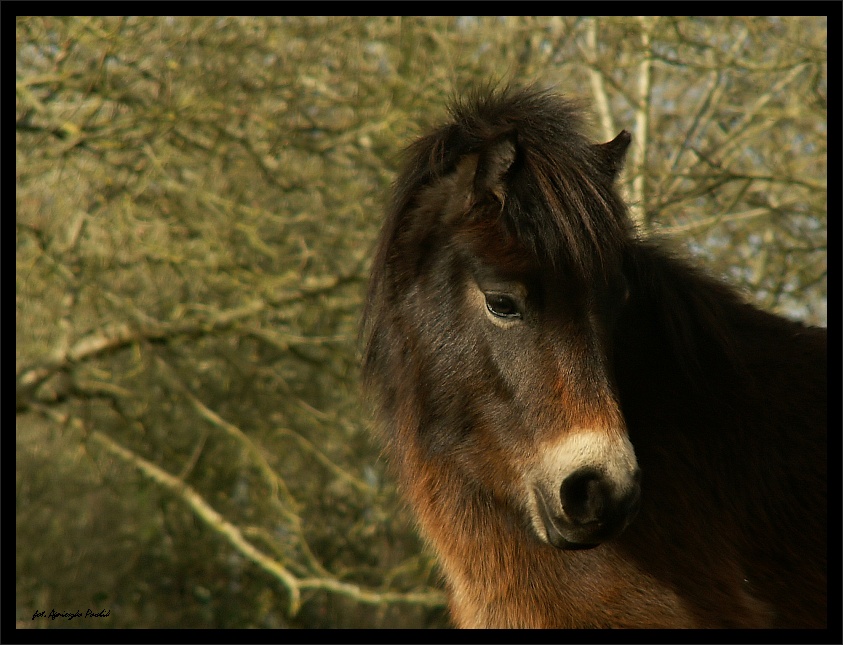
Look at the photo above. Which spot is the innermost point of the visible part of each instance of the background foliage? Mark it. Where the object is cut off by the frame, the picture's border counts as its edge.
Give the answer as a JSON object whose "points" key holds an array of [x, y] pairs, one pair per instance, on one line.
{"points": [[197, 200]]}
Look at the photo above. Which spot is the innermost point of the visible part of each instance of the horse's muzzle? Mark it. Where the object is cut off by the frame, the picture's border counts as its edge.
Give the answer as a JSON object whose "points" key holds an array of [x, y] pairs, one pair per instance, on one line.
{"points": [[592, 509]]}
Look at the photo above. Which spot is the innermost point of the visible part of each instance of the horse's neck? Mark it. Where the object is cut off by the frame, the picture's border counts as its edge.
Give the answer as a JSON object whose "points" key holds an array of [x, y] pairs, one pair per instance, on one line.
{"points": [[501, 576]]}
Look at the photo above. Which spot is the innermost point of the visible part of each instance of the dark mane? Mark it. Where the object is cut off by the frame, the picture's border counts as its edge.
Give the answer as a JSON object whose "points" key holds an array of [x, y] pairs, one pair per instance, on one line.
{"points": [[559, 187]]}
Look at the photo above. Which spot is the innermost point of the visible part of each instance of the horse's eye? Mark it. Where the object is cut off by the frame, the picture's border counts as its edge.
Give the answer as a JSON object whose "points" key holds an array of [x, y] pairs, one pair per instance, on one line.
{"points": [[502, 306]]}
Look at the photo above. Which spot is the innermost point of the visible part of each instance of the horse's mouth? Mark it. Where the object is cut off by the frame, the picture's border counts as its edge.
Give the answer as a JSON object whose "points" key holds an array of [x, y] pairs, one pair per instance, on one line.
{"points": [[557, 531], [562, 533]]}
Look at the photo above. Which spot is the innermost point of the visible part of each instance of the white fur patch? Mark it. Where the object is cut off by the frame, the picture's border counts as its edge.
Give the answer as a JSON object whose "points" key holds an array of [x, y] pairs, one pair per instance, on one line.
{"points": [[609, 453]]}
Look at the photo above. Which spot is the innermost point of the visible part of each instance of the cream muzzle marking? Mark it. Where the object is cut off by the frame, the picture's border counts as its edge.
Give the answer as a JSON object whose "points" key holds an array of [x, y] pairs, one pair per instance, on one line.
{"points": [[584, 490]]}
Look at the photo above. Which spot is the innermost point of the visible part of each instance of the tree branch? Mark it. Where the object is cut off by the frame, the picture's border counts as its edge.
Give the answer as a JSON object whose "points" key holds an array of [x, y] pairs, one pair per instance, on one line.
{"points": [[234, 537], [117, 337]]}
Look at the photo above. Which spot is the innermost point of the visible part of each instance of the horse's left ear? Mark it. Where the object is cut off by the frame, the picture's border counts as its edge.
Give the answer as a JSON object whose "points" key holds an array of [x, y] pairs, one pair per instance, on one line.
{"points": [[614, 152], [494, 162]]}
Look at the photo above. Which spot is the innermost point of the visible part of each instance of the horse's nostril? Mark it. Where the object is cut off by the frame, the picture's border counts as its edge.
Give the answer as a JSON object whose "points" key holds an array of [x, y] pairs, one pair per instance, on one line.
{"points": [[584, 495]]}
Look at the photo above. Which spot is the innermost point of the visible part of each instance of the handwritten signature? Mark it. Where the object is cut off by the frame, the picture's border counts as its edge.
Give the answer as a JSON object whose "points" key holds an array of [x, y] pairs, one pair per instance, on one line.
{"points": [[70, 615]]}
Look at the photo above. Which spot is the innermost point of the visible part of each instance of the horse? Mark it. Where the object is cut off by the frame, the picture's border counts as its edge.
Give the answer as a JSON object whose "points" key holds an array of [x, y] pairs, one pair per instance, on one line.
{"points": [[591, 431]]}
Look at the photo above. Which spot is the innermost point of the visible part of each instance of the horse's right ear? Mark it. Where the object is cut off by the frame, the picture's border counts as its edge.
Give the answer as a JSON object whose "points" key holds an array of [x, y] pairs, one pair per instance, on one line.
{"points": [[614, 152], [492, 165]]}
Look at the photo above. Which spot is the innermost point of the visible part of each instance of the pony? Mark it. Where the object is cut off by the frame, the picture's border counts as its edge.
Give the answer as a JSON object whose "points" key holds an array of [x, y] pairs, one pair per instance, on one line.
{"points": [[591, 432]]}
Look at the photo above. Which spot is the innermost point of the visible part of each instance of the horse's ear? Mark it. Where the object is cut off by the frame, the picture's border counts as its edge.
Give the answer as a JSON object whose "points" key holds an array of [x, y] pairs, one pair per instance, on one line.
{"points": [[494, 162], [614, 152]]}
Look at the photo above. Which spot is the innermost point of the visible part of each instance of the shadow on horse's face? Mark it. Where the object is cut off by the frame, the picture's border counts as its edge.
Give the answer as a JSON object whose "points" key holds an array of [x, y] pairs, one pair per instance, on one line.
{"points": [[542, 347]]}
